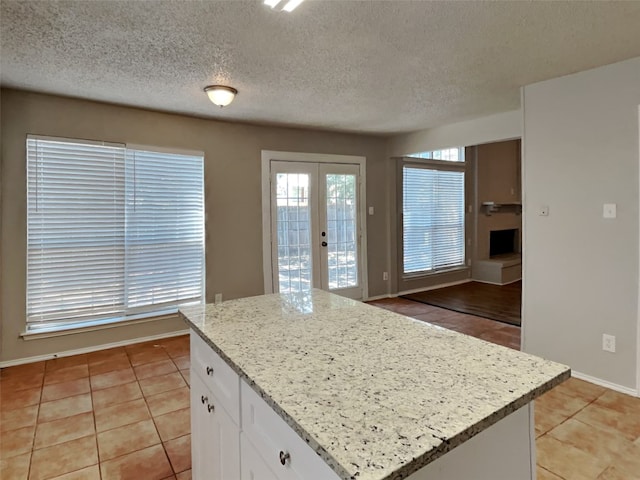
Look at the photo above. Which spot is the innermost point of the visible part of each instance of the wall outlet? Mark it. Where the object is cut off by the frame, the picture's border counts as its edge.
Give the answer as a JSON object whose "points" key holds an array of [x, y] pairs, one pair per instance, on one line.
{"points": [[608, 343], [217, 298], [385, 276], [609, 210]]}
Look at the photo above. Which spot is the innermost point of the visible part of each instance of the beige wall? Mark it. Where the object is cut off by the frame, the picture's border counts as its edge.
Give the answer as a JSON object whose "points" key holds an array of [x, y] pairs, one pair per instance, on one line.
{"points": [[580, 151], [232, 196], [492, 128], [496, 171]]}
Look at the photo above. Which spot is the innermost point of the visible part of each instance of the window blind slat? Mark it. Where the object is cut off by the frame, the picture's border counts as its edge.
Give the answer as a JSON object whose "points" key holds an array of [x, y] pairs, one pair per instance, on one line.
{"points": [[111, 231]]}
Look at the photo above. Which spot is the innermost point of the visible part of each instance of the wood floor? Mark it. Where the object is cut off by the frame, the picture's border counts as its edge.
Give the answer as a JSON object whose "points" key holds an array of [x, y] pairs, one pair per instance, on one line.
{"points": [[123, 414], [489, 330], [497, 302]]}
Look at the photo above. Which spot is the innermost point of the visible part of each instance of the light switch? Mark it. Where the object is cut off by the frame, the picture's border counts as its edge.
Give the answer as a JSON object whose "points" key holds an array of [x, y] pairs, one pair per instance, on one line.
{"points": [[609, 210], [370, 210]]}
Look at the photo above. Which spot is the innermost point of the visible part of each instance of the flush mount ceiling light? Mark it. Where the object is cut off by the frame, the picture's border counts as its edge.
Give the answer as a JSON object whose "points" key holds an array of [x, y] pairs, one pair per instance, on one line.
{"points": [[221, 95], [288, 7]]}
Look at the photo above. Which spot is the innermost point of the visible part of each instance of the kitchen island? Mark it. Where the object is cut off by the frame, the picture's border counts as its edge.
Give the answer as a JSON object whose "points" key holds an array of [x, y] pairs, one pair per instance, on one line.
{"points": [[317, 386]]}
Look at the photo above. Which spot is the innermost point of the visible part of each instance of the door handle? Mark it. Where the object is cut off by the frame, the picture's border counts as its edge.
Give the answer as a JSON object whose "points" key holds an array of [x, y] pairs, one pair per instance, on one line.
{"points": [[324, 244]]}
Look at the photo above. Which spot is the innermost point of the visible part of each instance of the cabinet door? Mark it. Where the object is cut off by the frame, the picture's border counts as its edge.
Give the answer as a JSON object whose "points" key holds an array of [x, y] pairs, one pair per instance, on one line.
{"points": [[253, 467], [279, 446], [202, 466], [215, 438]]}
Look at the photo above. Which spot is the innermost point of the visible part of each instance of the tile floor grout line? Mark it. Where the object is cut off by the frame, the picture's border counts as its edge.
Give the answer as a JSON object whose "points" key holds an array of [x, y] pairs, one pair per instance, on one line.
{"points": [[95, 423], [588, 404], [35, 428], [153, 420], [100, 461], [164, 448], [553, 473]]}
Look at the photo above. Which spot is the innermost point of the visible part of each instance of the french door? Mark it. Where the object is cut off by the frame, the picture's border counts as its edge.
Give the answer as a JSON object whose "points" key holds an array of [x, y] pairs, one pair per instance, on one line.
{"points": [[315, 227]]}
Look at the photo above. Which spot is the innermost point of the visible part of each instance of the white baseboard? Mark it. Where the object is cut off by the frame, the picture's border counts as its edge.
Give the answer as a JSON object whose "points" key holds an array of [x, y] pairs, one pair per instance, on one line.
{"points": [[94, 348], [496, 283], [416, 290], [380, 297], [434, 287], [604, 383]]}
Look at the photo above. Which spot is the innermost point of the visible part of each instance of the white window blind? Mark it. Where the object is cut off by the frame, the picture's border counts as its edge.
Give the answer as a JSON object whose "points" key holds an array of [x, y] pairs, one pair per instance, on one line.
{"points": [[432, 218], [111, 232], [164, 234]]}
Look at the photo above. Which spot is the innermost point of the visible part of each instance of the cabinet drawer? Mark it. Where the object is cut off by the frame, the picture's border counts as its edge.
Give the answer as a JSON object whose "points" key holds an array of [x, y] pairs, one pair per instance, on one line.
{"points": [[217, 376], [274, 440]]}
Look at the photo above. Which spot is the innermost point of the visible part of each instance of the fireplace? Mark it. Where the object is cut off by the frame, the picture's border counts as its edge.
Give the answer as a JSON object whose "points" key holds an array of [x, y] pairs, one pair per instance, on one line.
{"points": [[503, 242]]}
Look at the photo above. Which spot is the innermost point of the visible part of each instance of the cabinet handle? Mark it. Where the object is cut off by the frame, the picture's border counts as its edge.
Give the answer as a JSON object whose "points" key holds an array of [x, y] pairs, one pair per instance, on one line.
{"points": [[209, 371], [284, 457], [204, 399], [210, 408]]}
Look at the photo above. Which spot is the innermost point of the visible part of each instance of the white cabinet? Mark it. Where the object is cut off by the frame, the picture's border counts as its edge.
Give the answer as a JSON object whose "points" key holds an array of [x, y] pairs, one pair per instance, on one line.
{"points": [[201, 430], [282, 449], [221, 407], [253, 466], [217, 376], [236, 435], [215, 435]]}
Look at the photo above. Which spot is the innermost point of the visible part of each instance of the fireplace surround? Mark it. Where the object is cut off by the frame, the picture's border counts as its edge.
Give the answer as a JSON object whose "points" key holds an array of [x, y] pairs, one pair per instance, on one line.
{"points": [[502, 262]]}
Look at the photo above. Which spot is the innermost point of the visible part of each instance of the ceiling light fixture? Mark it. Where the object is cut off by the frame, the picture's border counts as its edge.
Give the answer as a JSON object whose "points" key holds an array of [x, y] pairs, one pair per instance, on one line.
{"points": [[221, 95], [288, 7]]}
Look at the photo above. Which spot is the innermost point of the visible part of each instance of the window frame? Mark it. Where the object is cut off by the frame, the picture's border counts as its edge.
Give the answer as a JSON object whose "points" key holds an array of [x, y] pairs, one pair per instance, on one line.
{"points": [[54, 327], [429, 164]]}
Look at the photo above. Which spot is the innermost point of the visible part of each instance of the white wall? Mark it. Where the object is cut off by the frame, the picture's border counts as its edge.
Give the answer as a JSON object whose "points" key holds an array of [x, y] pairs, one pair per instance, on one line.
{"points": [[580, 150], [493, 128]]}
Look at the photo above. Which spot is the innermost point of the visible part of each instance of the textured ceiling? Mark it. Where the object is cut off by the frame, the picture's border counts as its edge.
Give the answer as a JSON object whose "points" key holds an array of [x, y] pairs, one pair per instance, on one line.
{"points": [[367, 66]]}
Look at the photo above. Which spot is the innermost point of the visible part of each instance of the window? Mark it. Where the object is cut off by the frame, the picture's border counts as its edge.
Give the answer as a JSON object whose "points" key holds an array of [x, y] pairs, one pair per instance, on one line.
{"points": [[433, 215], [113, 232], [448, 154]]}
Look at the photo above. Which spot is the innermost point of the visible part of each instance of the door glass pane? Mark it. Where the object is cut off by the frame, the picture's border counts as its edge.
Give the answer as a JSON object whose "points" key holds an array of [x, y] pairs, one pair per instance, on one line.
{"points": [[341, 231], [293, 232]]}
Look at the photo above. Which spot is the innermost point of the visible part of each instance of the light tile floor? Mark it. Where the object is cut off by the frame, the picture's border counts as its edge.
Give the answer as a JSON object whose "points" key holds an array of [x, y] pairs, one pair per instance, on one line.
{"points": [[123, 413], [584, 431]]}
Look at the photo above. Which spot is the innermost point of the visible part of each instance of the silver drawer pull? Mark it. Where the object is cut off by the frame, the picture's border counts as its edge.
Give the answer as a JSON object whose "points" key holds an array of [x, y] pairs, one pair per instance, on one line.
{"points": [[210, 408], [204, 399], [284, 457], [209, 371]]}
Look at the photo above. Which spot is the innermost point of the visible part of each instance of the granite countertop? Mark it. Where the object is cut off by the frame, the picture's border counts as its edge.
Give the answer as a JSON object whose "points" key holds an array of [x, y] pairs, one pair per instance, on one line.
{"points": [[377, 395]]}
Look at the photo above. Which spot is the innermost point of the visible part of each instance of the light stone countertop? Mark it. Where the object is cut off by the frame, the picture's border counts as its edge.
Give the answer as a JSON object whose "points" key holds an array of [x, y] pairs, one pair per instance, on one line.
{"points": [[377, 395]]}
